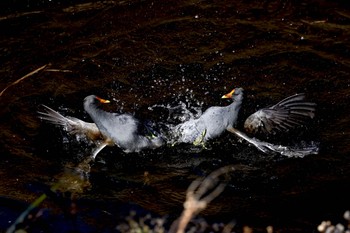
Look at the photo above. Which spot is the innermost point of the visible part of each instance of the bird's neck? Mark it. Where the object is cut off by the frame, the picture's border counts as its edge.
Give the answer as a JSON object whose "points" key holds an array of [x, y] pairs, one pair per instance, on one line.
{"points": [[235, 105], [233, 109], [94, 111]]}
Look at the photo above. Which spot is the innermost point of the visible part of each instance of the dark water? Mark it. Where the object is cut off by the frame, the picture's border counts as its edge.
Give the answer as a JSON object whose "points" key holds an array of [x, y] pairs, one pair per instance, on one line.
{"points": [[144, 54]]}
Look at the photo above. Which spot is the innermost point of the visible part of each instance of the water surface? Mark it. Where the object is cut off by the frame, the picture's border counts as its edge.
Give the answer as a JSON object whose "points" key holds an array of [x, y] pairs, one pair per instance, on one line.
{"points": [[151, 56]]}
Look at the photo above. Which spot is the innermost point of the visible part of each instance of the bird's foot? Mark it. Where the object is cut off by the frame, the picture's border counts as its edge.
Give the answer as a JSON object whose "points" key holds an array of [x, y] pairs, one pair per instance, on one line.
{"points": [[200, 139], [291, 152]]}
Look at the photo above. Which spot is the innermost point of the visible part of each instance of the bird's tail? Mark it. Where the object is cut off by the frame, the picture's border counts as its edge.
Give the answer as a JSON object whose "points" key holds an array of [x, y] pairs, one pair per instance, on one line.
{"points": [[54, 117], [72, 125]]}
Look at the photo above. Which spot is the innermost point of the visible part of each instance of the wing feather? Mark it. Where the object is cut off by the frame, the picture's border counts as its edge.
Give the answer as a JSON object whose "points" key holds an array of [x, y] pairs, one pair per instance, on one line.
{"points": [[289, 113]]}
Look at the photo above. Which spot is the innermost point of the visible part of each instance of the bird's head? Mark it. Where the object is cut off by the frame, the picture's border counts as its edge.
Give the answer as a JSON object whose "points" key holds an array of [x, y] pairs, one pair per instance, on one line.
{"points": [[93, 100], [228, 95], [234, 94], [103, 101]]}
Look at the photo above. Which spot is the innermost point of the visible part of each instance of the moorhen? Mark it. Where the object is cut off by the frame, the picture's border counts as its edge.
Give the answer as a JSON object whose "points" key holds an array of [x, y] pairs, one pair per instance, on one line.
{"points": [[212, 123], [124, 130], [109, 129], [291, 112]]}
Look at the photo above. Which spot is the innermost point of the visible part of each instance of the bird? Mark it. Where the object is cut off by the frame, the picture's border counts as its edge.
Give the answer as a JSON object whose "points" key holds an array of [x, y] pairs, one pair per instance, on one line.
{"points": [[124, 130], [287, 114], [212, 123], [109, 129]]}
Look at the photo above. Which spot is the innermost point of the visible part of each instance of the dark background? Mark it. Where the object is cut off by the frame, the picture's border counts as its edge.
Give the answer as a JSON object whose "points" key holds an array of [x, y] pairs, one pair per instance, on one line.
{"points": [[148, 55]]}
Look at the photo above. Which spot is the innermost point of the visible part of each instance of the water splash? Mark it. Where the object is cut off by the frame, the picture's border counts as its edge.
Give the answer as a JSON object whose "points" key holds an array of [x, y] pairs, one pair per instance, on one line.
{"points": [[182, 111], [183, 108]]}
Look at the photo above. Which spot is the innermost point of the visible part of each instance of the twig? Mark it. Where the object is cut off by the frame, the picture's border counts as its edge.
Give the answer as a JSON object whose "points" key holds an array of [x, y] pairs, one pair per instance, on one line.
{"points": [[24, 77], [57, 70], [195, 202], [19, 15]]}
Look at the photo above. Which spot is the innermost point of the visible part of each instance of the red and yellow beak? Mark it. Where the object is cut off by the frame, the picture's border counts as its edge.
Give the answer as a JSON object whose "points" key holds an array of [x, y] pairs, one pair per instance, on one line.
{"points": [[103, 101], [228, 95]]}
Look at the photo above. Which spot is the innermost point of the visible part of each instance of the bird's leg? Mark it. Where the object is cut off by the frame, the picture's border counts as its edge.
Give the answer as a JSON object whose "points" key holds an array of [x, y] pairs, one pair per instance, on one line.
{"points": [[283, 150], [257, 143], [98, 149]]}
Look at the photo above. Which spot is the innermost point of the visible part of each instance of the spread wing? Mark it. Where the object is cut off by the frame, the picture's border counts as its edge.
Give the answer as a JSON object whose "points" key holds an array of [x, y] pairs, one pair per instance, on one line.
{"points": [[289, 113], [72, 125]]}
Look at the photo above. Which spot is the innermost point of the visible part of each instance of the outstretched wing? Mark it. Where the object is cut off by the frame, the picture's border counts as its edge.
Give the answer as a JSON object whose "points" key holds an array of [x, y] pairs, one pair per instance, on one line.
{"points": [[291, 112], [71, 124]]}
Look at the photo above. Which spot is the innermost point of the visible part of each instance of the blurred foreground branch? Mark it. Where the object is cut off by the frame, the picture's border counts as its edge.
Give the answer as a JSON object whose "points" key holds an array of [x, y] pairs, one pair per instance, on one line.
{"points": [[199, 194]]}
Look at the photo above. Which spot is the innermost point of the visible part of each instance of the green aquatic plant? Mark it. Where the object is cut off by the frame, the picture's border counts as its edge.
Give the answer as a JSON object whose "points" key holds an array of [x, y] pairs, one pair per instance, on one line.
{"points": [[26, 212]]}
